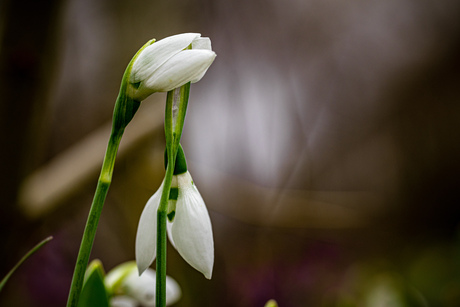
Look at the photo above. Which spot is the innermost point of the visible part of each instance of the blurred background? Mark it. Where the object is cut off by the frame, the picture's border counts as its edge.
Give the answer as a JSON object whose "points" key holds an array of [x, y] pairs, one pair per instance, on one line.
{"points": [[325, 140]]}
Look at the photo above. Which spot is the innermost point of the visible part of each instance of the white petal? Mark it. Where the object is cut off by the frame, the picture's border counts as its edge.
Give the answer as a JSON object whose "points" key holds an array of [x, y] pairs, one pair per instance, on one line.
{"points": [[205, 44], [146, 239], [116, 275], [158, 53], [184, 67], [191, 228], [168, 227], [202, 43], [198, 77], [122, 301], [142, 288]]}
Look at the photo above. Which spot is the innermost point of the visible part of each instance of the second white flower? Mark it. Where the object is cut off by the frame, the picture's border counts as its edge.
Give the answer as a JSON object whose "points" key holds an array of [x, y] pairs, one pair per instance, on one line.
{"points": [[189, 227]]}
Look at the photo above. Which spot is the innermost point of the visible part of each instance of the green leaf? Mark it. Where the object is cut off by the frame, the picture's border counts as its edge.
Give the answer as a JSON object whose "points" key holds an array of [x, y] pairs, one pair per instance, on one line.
{"points": [[93, 293], [26, 256]]}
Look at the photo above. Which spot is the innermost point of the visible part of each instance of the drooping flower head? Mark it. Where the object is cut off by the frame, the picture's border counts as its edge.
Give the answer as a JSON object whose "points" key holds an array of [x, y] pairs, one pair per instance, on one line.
{"points": [[188, 225], [170, 63]]}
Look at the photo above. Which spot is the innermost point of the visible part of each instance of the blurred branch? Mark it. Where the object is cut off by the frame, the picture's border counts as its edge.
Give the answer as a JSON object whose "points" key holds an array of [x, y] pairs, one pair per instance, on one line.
{"points": [[262, 206], [53, 183]]}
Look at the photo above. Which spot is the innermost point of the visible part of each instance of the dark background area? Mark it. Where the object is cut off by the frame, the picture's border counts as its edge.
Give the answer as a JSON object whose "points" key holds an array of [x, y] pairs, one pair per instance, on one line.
{"points": [[325, 140]]}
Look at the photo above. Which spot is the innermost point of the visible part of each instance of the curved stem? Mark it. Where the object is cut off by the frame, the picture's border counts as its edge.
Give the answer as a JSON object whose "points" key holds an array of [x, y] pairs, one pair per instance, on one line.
{"points": [[89, 233], [125, 108]]}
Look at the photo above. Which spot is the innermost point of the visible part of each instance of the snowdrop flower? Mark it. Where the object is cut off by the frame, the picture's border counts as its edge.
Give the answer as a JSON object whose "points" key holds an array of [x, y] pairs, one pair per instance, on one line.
{"points": [[169, 63], [130, 289], [188, 225]]}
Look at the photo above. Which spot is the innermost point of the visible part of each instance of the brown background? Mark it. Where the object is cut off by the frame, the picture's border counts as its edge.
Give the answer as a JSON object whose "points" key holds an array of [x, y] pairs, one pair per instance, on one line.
{"points": [[325, 139]]}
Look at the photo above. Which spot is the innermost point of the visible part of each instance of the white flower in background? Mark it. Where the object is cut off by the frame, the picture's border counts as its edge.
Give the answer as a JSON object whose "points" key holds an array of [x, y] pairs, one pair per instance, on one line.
{"points": [[123, 301], [130, 289], [169, 64], [188, 225]]}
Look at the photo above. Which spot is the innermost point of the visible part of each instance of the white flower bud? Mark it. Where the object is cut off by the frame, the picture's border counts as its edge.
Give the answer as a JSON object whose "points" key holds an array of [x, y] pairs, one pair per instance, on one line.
{"points": [[168, 64], [142, 288], [130, 289]]}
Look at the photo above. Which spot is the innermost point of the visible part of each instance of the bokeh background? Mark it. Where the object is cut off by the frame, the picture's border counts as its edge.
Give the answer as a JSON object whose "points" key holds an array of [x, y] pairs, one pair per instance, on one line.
{"points": [[325, 139]]}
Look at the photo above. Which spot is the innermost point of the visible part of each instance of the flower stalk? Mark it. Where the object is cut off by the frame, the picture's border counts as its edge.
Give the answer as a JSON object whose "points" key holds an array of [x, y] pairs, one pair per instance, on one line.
{"points": [[125, 108], [89, 233], [176, 108]]}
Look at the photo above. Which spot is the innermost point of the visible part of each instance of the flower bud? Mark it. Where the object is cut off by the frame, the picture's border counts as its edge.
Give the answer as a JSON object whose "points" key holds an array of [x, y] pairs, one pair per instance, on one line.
{"points": [[170, 63], [128, 287]]}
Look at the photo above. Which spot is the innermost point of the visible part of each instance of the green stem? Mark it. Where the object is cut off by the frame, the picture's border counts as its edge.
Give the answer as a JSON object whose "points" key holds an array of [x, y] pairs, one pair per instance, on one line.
{"points": [[174, 124], [125, 108], [24, 258], [160, 299], [89, 233]]}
